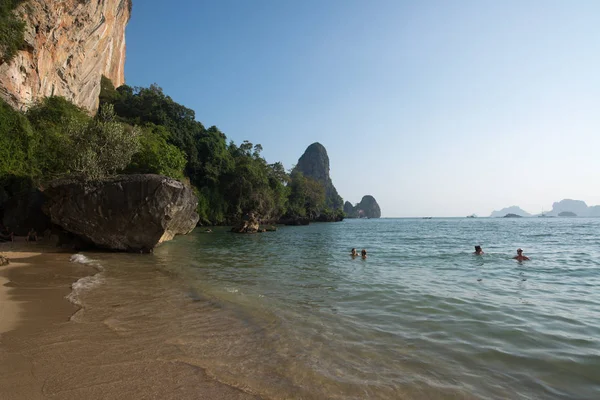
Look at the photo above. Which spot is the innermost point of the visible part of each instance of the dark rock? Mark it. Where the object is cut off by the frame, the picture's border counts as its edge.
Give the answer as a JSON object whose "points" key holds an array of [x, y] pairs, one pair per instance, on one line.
{"points": [[24, 212], [567, 214], [125, 213], [314, 164], [271, 229], [331, 217], [512, 216], [248, 224]]}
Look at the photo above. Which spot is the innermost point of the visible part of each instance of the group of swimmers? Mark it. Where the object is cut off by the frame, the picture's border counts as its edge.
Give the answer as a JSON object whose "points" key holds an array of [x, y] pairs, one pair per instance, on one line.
{"points": [[363, 253], [518, 257]]}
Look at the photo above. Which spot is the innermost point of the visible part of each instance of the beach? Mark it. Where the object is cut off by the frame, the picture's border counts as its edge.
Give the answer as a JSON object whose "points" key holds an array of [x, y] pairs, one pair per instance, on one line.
{"points": [[46, 353]]}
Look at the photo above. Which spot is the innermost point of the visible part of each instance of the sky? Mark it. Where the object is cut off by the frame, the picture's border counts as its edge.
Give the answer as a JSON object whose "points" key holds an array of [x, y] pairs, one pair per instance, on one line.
{"points": [[436, 108]]}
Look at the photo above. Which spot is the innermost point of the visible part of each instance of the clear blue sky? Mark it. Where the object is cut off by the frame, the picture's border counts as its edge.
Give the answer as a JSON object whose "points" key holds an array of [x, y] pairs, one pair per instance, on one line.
{"points": [[441, 108]]}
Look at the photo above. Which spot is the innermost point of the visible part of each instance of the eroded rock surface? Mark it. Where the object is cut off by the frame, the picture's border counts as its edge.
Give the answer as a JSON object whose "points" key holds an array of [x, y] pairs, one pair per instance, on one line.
{"points": [[69, 45], [125, 213]]}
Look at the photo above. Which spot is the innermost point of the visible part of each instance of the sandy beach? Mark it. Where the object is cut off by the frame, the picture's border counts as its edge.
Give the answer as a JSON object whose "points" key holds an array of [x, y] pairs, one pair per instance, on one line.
{"points": [[47, 353]]}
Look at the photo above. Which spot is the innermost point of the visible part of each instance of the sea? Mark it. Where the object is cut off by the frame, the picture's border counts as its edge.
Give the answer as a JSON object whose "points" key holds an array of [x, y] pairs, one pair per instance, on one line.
{"points": [[291, 315]]}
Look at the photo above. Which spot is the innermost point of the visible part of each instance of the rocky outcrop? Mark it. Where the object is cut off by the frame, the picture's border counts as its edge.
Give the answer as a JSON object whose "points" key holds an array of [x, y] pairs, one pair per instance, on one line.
{"points": [[314, 164], [367, 208], [125, 213], [248, 224], [509, 215], [69, 45], [3, 261]]}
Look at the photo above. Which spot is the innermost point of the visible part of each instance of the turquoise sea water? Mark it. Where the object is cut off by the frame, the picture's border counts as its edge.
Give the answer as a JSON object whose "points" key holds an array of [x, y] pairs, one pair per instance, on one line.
{"points": [[421, 317]]}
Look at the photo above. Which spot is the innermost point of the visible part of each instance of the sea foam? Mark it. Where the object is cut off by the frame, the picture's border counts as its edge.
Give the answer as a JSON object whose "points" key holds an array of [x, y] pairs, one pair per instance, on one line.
{"points": [[86, 283]]}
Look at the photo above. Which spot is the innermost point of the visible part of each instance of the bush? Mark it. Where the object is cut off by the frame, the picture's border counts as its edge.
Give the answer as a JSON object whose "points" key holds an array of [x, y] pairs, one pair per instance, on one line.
{"points": [[102, 147], [156, 156], [16, 143], [51, 119]]}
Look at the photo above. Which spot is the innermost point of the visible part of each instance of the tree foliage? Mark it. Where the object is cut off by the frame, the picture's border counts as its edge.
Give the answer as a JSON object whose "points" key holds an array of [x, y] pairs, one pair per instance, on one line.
{"points": [[12, 30], [104, 145]]}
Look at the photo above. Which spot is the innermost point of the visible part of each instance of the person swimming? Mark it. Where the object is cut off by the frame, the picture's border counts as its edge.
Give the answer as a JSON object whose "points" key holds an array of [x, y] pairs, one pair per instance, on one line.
{"points": [[363, 253], [478, 251], [520, 256], [353, 252]]}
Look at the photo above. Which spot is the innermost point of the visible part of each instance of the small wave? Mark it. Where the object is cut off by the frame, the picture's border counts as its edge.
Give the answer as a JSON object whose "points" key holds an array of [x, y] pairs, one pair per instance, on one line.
{"points": [[82, 259], [83, 284]]}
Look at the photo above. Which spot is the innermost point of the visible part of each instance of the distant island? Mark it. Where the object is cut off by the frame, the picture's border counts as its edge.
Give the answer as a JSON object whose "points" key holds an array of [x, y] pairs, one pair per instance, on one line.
{"points": [[510, 215], [567, 214], [563, 208], [510, 210], [367, 208]]}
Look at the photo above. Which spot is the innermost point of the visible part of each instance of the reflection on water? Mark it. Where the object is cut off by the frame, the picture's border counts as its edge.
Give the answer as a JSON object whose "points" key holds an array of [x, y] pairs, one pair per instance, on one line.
{"points": [[290, 314]]}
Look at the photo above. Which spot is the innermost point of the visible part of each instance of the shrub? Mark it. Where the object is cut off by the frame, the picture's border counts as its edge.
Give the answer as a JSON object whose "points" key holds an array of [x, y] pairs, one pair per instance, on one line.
{"points": [[156, 156], [16, 143], [102, 147], [51, 119]]}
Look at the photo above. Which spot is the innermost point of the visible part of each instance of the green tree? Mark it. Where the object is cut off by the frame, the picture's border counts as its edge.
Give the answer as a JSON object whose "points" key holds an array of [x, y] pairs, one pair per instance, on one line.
{"points": [[17, 143], [156, 156], [52, 119], [103, 146]]}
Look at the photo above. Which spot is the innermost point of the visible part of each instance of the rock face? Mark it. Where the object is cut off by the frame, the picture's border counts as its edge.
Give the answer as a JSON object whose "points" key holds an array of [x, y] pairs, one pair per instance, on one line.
{"points": [[314, 164], [125, 213], [367, 208], [69, 45]]}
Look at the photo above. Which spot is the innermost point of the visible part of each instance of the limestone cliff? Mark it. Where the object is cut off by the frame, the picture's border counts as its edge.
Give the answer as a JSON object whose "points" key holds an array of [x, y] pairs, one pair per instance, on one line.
{"points": [[314, 164], [69, 45]]}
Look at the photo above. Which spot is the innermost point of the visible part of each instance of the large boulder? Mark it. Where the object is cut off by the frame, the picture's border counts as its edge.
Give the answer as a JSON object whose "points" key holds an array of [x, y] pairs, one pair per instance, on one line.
{"points": [[124, 213]]}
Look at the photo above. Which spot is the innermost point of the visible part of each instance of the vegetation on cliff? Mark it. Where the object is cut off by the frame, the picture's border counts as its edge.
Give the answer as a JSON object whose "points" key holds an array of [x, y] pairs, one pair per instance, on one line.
{"points": [[142, 130], [12, 30]]}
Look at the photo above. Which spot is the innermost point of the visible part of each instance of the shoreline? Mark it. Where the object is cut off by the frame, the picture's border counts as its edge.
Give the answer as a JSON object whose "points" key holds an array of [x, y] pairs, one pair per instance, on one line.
{"points": [[48, 351]]}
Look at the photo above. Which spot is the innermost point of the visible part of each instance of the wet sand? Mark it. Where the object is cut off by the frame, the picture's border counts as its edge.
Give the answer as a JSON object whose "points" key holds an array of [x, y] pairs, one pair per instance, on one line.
{"points": [[47, 353]]}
